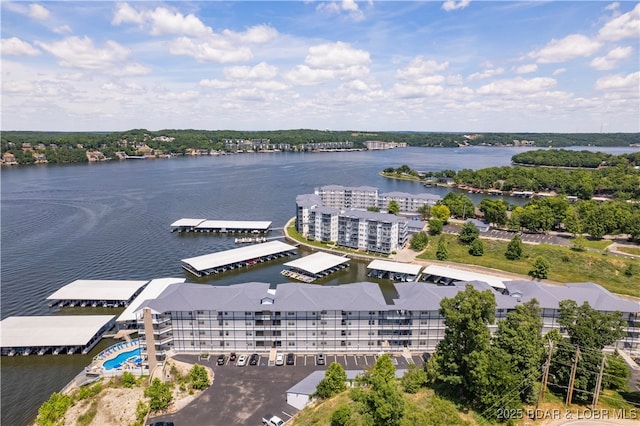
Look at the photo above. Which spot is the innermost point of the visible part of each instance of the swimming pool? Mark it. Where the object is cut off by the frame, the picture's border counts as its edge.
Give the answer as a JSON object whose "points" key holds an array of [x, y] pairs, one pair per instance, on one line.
{"points": [[116, 362]]}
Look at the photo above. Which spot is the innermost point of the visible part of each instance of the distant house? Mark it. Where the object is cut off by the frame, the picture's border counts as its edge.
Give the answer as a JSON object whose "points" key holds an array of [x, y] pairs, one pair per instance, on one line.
{"points": [[40, 158], [8, 159], [95, 156], [482, 226]]}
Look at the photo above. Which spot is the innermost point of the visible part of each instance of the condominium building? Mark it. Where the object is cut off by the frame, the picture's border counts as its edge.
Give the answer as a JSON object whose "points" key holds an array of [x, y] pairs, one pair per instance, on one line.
{"points": [[356, 318], [407, 202], [341, 197]]}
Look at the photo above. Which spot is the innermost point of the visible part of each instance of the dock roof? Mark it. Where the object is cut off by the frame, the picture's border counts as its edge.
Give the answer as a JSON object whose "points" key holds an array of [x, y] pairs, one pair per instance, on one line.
{"points": [[151, 291], [461, 275], [234, 224], [317, 262], [58, 330], [98, 290], [227, 257], [188, 222], [403, 268]]}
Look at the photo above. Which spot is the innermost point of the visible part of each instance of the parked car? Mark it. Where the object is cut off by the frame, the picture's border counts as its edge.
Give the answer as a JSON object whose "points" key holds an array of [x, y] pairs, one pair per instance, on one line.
{"points": [[221, 359], [426, 356], [242, 361], [279, 359], [320, 359], [254, 359], [290, 359], [232, 357]]}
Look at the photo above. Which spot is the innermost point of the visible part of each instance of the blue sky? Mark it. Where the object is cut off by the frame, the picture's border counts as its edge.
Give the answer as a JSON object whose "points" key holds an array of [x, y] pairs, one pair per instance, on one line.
{"points": [[468, 66]]}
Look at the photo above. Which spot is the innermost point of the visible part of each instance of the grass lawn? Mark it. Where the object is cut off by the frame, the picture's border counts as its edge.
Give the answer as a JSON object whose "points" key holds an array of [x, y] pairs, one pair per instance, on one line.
{"points": [[566, 265], [291, 230], [596, 244]]}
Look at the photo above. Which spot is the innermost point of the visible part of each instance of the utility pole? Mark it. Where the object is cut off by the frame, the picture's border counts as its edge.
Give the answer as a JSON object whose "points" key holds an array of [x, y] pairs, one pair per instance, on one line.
{"points": [[573, 376], [596, 393], [545, 376]]}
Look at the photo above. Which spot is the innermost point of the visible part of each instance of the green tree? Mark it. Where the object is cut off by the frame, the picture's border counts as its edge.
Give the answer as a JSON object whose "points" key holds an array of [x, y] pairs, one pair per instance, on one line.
{"points": [[381, 401], [373, 209], [616, 373], [579, 243], [425, 211], [52, 411], [393, 207], [442, 253], [128, 379], [589, 330], [413, 379], [342, 416], [334, 382], [199, 377], [495, 211], [460, 205], [514, 248], [468, 233], [461, 357], [540, 268], [441, 212], [435, 226], [476, 248], [419, 241], [159, 394]]}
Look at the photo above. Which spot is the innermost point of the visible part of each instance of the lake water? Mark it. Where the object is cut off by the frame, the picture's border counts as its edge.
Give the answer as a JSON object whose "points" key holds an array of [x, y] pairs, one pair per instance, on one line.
{"points": [[111, 221]]}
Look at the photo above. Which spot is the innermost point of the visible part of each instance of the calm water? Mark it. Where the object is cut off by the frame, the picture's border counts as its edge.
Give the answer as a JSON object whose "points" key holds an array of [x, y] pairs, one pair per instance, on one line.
{"points": [[111, 221]]}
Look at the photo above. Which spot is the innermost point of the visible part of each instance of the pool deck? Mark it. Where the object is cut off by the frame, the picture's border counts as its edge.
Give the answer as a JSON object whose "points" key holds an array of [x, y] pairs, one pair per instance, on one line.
{"points": [[97, 366]]}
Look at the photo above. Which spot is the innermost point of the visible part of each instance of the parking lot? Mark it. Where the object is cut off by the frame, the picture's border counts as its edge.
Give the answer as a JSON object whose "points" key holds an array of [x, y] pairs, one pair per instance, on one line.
{"points": [[532, 238], [243, 395]]}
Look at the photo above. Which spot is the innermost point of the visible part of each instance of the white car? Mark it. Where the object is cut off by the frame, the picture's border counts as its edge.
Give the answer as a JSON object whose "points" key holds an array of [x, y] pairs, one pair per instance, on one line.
{"points": [[242, 361], [280, 359]]}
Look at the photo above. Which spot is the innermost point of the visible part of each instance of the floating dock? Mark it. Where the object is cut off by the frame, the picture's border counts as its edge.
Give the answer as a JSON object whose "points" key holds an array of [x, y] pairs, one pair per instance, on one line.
{"points": [[221, 226], [223, 261], [314, 266], [68, 334], [394, 270], [446, 276], [103, 293]]}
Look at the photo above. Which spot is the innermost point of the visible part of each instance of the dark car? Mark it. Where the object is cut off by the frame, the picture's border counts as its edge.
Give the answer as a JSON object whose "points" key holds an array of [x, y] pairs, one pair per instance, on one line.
{"points": [[254, 359], [290, 359], [320, 359], [232, 357], [426, 356], [161, 424], [221, 359]]}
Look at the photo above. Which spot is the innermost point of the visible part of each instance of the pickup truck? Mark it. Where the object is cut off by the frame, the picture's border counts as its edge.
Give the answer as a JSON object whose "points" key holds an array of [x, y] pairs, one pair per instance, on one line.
{"points": [[272, 421]]}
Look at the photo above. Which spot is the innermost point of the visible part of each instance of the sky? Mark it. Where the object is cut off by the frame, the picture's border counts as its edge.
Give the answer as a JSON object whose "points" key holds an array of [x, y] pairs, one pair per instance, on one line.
{"points": [[436, 66]]}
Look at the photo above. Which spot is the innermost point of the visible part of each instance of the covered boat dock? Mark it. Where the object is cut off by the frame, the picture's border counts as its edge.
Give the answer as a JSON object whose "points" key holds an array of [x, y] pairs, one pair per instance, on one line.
{"points": [[447, 276], [394, 270], [315, 266], [127, 318], [221, 226], [223, 261], [103, 293], [25, 335]]}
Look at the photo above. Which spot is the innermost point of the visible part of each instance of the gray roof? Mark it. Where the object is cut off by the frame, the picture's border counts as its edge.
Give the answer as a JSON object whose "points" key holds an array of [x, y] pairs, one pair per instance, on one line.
{"points": [[308, 200], [348, 188], [362, 296], [549, 296], [309, 384], [372, 216], [326, 210], [151, 291], [397, 194], [419, 296]]}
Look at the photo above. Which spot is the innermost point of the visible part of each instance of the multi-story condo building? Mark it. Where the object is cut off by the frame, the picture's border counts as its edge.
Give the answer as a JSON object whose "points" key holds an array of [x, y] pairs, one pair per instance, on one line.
{"points": [[355, 318], [337, 213]]}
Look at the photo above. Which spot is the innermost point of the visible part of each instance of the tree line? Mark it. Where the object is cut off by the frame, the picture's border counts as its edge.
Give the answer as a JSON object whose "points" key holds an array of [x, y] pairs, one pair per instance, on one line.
{"points": [[566, 158]]}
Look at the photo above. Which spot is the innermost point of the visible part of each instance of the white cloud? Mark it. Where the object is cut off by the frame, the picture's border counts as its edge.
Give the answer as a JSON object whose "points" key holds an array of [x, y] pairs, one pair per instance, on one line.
{"points": [[262, 71], [559, 71], [419, 68], [38, 12], [214, 49], [216, 84], [455, 80], [486, 74], [76, 52], [610, 60], [258, 34], [349, 6], [624, 26], [126, 14], [164, 21], [62, 29], [517, 86], [526, 69], [629, 82], [409, 91], [570, 47], [337, 55], [450, 5], [612, 6], [17, 47]]}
